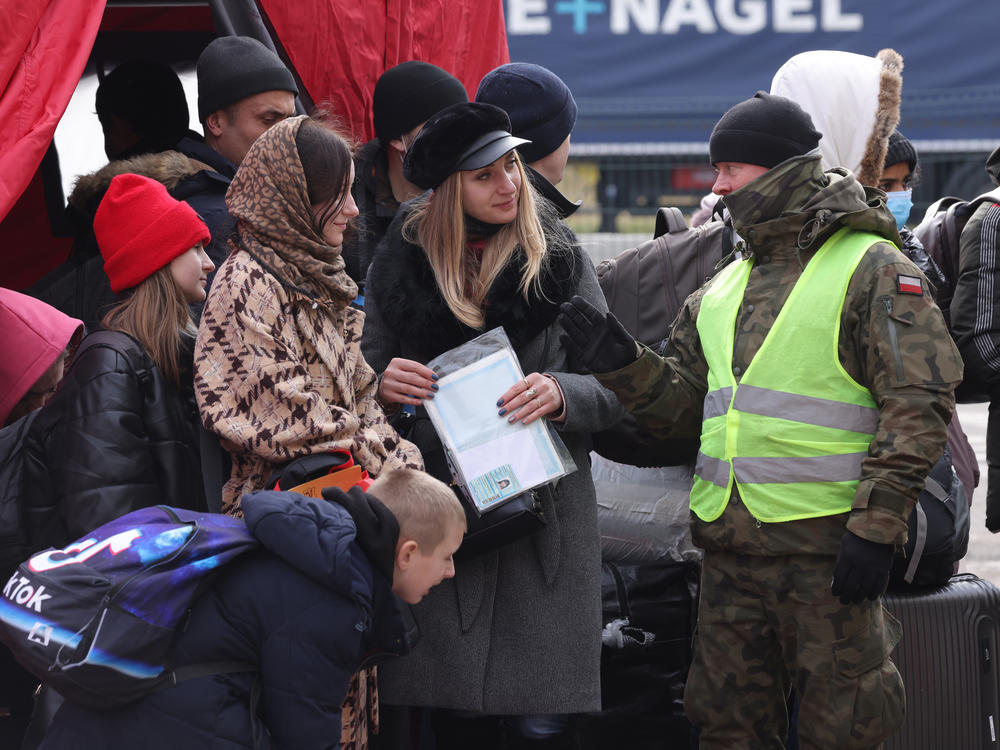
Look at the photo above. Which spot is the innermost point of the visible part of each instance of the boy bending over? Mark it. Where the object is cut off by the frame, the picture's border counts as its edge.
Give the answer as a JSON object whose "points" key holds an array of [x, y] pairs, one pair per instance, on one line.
{"points": [[310, 608]]}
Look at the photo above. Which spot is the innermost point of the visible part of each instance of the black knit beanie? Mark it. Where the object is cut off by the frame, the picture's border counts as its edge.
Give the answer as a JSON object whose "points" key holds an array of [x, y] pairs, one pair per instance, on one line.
{"points": [[410, 94], [764, 130], [540, 106], [900, 149], [231, 68]]}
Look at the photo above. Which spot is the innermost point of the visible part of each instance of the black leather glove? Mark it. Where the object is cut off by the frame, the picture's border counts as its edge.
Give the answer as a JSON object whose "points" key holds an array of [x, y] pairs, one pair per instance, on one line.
{"points": [[594, 339], [862, 570], [378, 530]]}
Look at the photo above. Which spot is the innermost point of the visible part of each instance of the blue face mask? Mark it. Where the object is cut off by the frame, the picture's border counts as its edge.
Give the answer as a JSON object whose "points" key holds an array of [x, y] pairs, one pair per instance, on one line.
{"points": [[900, 204]]}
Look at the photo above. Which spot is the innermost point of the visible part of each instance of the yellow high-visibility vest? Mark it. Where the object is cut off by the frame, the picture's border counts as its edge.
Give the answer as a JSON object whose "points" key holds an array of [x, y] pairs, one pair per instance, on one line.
{"points": [[792, 432]]}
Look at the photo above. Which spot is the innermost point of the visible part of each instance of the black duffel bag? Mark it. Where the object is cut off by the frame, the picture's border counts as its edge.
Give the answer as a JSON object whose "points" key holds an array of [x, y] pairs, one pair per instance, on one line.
{"points": [[650, 610]]}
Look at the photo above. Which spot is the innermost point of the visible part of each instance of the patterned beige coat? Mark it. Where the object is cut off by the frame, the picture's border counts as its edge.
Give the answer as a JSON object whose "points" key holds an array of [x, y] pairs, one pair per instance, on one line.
{"points": [[278, 367]]}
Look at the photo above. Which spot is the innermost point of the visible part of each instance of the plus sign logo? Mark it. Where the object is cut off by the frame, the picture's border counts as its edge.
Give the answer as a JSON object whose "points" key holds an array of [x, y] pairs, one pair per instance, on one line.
{"points": [[580, 9]]}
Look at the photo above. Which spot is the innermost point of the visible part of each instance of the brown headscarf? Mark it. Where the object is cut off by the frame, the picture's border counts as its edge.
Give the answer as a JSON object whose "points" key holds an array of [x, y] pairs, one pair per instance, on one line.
{"points": [[269, 199]]}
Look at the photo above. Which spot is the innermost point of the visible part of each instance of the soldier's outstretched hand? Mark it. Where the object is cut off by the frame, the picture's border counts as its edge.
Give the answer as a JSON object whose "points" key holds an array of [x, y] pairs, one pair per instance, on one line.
{"points": [[594, 339]]}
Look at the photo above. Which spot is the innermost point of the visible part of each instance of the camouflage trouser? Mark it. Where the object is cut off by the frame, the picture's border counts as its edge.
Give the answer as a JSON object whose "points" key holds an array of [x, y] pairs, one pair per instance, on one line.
{"points": [[768, 624]]}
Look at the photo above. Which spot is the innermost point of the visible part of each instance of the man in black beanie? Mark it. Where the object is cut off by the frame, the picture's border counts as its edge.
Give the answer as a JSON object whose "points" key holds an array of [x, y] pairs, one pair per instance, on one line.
{"points": [[756, 135], [818, 375], [405, 97], [542, 109], [243, 89]]}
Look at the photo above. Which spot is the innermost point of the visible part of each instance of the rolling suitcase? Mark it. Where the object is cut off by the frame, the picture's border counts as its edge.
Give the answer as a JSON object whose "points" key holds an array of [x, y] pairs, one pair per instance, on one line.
{"points": [[947, 658]]}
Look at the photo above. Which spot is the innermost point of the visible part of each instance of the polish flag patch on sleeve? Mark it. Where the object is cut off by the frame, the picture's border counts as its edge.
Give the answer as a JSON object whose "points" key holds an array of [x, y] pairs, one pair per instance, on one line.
{"points": [[909, 285]]}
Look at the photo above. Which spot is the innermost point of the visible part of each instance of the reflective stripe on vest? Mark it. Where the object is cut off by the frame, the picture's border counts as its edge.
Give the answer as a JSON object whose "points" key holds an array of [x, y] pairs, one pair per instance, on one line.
{"points": [[793, 432]]}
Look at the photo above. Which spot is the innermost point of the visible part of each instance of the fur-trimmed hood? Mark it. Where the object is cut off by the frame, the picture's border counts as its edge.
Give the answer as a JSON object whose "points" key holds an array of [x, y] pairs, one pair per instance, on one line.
{"points": [[167, 167], [853, 101], [411, 304]]}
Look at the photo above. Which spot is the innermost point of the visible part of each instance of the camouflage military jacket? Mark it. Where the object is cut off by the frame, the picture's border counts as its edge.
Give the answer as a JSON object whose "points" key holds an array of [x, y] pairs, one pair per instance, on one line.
{"points": [[893, 339]]}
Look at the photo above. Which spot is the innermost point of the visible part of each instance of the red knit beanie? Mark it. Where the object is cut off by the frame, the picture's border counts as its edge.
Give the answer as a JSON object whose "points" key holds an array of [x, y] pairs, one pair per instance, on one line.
{"points": [[140, 229]]}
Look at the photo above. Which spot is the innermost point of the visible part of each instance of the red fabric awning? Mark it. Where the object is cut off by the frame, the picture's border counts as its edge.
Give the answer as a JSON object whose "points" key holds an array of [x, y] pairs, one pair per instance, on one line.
{"points": [[339, 49], [43, 51]]}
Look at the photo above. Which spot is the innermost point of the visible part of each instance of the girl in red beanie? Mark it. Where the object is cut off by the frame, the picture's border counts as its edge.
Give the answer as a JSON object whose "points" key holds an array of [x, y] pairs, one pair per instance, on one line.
{"points": [[122, 431]]}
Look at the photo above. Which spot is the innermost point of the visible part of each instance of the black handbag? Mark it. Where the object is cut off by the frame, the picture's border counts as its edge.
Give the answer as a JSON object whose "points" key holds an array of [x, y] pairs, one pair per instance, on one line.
{"points": [[306, 468], [517, 518]]}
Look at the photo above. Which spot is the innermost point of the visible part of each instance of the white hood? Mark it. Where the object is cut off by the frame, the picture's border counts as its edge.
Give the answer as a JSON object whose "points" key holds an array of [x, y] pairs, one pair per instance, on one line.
{"points": [[853, 101]]}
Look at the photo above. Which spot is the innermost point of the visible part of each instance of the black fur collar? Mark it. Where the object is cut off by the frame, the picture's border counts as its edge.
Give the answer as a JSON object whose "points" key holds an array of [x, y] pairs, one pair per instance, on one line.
{"points": [[409, 302]]}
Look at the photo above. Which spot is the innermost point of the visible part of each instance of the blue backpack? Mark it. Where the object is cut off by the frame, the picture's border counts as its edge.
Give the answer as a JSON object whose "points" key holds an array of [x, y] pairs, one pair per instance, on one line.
{"points": [[96, 620]]}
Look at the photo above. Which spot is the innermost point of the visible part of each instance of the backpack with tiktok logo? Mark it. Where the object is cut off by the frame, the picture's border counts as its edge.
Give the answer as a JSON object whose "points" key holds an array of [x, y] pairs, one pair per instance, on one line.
{"points": [[96, 620]]}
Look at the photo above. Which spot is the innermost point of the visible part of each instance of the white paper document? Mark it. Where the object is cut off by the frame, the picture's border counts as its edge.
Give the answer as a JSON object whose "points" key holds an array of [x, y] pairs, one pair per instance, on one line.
{"points": [[496, 459]]}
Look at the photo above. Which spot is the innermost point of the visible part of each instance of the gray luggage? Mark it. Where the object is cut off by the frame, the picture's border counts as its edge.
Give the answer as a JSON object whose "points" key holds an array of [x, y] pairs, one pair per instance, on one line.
{"points": [[947, 658]]}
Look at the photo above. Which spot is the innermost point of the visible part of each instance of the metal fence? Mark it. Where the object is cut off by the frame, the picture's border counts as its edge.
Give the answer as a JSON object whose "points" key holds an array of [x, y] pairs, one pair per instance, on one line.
{"points": [[621, 191]]}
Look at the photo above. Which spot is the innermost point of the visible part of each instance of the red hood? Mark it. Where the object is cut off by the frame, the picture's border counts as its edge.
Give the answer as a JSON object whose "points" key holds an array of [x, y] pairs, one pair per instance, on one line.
{"points": [[32, 335]]}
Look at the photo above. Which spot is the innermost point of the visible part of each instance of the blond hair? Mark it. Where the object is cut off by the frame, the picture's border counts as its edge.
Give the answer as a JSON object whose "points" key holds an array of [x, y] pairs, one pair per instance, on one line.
{"points": [[437, 224], [156, 315], [425, 507]]}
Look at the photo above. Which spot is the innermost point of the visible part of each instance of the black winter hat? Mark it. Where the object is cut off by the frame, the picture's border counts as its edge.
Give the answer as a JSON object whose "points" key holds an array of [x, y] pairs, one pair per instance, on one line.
{"points": [[764, 130], [460, 137], [540, 106], [231, 68], [900, 149], [409, 94], [148, 96]]}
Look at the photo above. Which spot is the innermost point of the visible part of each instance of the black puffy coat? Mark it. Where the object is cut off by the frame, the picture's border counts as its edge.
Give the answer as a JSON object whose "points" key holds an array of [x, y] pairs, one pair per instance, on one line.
{"points": [[307, 611], [117, 436], [914, 249]]}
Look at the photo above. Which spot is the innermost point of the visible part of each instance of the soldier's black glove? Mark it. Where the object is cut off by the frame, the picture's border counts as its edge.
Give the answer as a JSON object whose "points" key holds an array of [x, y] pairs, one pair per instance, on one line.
{"points": [[594, 339], [862, 570], [378, 530]]}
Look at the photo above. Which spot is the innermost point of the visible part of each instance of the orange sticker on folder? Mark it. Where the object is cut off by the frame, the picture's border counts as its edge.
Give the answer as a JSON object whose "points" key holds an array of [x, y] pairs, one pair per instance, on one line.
{"points": [[344, 479]]}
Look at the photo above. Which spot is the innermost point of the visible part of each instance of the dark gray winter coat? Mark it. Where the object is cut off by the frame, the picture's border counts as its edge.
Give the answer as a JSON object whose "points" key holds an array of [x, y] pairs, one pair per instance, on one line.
{"points": [[517, 630]]}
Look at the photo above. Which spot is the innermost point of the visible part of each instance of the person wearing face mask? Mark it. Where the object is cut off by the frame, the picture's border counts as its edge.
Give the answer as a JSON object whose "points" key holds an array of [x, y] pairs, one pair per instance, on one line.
{"points": [[899, 175]]}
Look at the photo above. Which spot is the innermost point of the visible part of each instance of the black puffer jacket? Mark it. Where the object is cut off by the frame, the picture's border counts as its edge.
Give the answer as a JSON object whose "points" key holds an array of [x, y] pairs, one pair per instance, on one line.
{"points": [[305, 612], [116, 437], [914, 250]]}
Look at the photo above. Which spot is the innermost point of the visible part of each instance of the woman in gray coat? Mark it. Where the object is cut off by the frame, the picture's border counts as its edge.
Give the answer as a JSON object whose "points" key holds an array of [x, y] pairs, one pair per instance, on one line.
{"points": [[516, 633]]}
